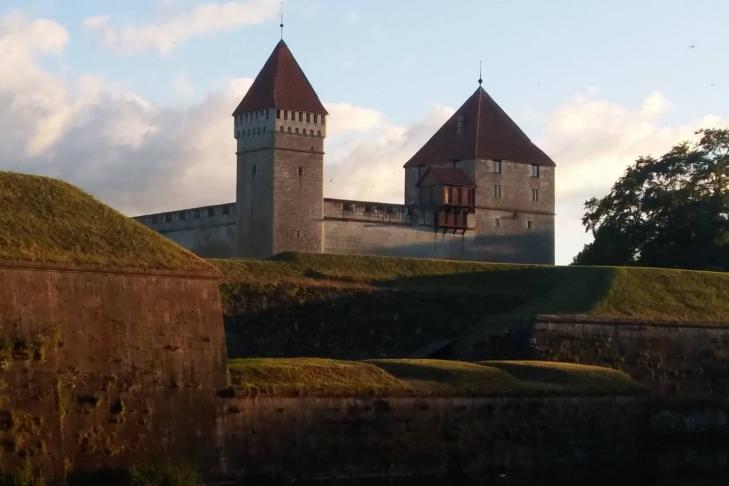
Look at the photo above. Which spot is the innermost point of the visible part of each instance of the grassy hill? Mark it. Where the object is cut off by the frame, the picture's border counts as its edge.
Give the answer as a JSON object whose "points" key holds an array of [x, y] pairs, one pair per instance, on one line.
{"points": [[422, 377], [609, 292], [50, 221], [358, 307]]}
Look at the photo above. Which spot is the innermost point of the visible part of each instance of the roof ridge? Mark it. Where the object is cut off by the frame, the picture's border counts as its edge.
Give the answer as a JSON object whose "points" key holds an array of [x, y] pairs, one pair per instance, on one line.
{"points": [[478, 120]]}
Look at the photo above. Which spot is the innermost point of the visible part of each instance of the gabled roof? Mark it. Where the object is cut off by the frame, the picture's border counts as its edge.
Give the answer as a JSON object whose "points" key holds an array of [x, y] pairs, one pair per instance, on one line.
{"points": [[281, 85], [446, 176], [487, 132]]}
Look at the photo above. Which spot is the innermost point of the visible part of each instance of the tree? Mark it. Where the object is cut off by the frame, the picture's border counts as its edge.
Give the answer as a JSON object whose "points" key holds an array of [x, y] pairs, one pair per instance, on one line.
{"points": [[666, 212]]}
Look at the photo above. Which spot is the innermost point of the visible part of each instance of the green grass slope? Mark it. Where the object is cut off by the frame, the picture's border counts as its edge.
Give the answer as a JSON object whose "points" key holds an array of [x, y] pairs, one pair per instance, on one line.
{"points": [[49, 221], [422, 377], [605, 292]]}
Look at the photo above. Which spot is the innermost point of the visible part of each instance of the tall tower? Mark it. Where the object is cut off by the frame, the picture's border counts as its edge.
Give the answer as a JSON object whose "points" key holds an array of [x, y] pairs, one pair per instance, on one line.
{"points": [[280, 127]]}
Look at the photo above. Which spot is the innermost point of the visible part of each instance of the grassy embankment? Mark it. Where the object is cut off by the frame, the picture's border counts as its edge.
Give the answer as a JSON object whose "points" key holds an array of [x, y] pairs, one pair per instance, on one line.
{"points": [[323, 377], [607, 292], [49, 221]]}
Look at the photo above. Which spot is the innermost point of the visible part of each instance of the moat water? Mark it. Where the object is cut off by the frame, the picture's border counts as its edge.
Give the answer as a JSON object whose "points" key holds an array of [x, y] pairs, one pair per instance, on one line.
{"points": [[704, 466], [549, 478]]}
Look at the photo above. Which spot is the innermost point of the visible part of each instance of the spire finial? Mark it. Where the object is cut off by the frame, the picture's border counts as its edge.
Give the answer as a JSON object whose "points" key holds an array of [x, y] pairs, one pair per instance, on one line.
{"points": [[480, 73], [282, 18]]}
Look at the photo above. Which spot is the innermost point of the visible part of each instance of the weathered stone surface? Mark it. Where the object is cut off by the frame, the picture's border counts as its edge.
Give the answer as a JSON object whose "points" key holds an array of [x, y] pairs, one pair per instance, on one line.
{"points": [[329, 437], [675, 360], [112, 368]]}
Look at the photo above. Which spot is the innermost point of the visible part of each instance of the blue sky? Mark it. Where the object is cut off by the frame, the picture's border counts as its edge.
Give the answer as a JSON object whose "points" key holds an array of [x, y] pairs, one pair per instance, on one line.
{"points": [[594, 83]]}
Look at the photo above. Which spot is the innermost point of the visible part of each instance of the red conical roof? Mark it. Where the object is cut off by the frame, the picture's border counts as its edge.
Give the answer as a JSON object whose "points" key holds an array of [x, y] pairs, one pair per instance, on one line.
{"points": [[487, 133], [282, 85]]}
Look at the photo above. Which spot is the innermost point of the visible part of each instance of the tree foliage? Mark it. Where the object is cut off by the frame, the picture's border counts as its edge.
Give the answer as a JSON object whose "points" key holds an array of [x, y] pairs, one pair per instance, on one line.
{"points": [[666, 212]]}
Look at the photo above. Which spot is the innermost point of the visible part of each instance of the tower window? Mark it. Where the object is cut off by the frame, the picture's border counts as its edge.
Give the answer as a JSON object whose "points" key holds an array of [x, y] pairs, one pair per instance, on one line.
{"points": [[211, 212], [182, 215], [534, 170], [278, 114], [226, 210], [497, 191], [318, 133], [497, 222], [301, 116], [535, 195], [297, 131], [282, 129], [316, 118], [301, 171], [496, 167], [308, 118], [298, 234], [290, 130], [268, 114], [286, 115], [530, 225], [253, 169], [168, 218]]}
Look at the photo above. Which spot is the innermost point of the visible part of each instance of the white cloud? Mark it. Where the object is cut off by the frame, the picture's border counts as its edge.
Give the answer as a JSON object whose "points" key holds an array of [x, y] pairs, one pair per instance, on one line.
{"points": [[593, 140], [366, 152], [131, 153], [170, 33]]}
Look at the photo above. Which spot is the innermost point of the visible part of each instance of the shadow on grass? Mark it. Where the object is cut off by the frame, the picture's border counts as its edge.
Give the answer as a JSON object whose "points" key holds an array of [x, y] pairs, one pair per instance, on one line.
{"points": [[398, 316]]}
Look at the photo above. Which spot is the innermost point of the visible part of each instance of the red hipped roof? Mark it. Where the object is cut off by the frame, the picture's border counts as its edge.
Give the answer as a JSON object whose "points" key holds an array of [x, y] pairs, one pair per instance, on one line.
{"points": [[281, 85], [487, 132]]}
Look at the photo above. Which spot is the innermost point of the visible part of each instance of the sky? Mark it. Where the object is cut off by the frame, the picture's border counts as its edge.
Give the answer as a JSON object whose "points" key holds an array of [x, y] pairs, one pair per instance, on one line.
{"points": [[132, 100]]}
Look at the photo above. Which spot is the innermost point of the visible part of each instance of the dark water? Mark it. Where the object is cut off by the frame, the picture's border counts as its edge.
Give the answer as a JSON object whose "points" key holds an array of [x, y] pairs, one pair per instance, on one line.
{"points": [[549, 478]]}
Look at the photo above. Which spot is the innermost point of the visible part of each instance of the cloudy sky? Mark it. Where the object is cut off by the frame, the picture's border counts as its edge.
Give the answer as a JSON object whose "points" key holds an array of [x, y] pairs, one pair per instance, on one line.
{"points": [[132, 100]]}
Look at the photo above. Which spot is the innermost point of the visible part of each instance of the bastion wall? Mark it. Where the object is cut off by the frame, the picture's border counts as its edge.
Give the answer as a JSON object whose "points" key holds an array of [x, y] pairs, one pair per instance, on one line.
{"points": [[108, 368], [308, 437], [674, 359]]}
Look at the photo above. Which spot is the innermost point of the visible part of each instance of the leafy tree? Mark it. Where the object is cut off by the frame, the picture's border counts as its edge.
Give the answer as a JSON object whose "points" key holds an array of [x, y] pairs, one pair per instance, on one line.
{"points": [[666, 212]]}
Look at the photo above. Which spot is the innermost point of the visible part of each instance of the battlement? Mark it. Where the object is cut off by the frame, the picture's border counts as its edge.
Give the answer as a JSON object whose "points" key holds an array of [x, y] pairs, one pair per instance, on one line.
{"points": [[376, 212], [185, 218]]}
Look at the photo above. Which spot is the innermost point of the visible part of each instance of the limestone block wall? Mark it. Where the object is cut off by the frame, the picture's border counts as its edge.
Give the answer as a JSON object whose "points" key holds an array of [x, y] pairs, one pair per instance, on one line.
{"points": [[356, 437], [350, 236], [675, 360], [209, 231], [105, 368]]}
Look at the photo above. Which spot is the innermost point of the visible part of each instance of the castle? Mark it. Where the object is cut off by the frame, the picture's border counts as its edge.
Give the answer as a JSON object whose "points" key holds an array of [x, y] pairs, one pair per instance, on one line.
{"points": [[479, 189]]}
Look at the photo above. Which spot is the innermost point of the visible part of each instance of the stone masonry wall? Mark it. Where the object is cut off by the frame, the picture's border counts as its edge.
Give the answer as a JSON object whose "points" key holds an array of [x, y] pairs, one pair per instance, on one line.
{"points": [[674, 360], [107, 368], [351, 437], [208, 231], [388, 239]]}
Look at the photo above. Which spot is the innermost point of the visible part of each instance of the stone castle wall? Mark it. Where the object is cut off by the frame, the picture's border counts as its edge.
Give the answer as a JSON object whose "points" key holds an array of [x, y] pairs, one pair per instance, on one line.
{"points": [[352, 227], [359, 437], [675, 360], [209, 231], [108, 368]]}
